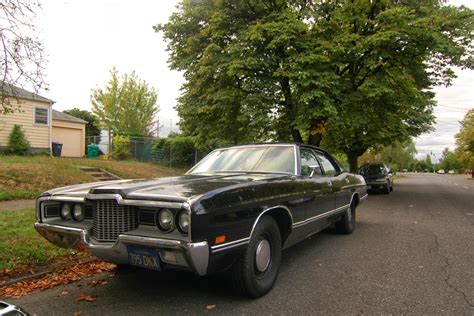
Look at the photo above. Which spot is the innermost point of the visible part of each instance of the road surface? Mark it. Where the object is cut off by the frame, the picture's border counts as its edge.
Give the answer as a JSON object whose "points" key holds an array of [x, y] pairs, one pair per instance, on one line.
{"points": [[412, 252]]}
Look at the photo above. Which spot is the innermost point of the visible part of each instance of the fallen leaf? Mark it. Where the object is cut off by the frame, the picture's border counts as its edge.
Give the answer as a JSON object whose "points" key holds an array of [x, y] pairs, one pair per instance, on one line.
{"points": [[211, 306], [85, 297], [63, 293], [78, 313]]}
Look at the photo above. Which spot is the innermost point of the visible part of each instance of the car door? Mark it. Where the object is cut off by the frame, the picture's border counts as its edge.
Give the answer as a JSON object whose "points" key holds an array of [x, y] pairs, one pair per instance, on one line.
{"points": [[341, 184], [318, 186]]}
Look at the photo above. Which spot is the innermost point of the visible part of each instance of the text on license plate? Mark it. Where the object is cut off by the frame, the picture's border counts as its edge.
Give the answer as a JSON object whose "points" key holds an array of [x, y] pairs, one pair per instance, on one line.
{"points": [[143, 257]]}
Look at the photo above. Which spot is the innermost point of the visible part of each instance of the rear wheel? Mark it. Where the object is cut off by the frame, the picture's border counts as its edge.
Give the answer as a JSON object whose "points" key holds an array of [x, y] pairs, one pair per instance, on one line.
{"points": [[346, 224], [256, 270]]}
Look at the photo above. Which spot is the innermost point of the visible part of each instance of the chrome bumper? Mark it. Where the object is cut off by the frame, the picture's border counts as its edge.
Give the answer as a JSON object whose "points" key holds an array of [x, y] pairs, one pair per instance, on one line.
{"points": [[193, 256]]}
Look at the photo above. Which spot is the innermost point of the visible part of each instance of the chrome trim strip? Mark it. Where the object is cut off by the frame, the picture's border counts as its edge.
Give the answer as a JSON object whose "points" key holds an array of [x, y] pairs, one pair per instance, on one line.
{"points": [[231, 245], [116, 197], [326, 214], [243, 241], [269, 209]]}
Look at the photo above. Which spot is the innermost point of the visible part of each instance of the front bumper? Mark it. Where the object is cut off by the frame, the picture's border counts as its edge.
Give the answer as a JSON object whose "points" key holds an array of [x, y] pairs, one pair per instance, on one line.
{"points": [[175, 253]]}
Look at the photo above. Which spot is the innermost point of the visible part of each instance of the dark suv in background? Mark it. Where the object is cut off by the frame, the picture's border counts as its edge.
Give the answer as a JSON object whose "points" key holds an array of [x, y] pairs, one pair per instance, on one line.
{"points": [[378, 177]]}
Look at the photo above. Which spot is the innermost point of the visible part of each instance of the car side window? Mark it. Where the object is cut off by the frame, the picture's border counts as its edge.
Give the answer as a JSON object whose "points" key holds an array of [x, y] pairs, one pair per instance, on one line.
{"points": [[329, 168], [308, 159]]}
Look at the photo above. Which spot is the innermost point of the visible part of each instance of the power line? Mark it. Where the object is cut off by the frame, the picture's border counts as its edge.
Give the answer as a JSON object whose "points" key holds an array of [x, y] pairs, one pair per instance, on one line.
{"points": [[453, 107]]}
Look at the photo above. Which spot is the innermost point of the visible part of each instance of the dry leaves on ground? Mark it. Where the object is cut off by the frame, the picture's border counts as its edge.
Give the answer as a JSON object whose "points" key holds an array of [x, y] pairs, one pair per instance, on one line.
{"points": [[211, 306], [71, 274], [85, 297]]}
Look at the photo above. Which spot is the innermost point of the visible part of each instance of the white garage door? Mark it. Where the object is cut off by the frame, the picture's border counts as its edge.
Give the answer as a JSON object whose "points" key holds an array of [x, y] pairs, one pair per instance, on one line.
{"points": [[71, 140]]}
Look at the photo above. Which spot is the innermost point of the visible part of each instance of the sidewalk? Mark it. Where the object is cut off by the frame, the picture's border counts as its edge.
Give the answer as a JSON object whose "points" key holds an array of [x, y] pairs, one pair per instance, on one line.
{"points": [[16, 205]]}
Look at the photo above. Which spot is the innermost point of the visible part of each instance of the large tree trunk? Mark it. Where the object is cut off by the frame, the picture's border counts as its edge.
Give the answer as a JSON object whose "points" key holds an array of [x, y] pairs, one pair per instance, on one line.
{"points": [[290, 109], [352, 158]]}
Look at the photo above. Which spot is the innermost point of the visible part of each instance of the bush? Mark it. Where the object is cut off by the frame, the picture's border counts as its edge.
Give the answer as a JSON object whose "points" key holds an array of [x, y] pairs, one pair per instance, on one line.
{"points": [[17, 143], [121, 146], [177, 151]]}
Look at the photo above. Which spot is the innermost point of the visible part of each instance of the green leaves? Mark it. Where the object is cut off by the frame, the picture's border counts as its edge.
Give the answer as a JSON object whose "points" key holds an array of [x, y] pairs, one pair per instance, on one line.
{"points": [[126, 106], [355, 74]]}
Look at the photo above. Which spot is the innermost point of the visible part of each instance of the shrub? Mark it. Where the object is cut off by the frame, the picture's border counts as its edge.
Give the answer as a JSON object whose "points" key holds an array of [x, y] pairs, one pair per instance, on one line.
{"points": [[17, 143], [121, 146], [177, 151]]}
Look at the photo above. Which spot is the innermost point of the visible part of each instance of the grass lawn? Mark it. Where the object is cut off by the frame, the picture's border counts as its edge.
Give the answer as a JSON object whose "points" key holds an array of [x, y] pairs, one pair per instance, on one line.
{"points": [[26, 177], [21, 247]]}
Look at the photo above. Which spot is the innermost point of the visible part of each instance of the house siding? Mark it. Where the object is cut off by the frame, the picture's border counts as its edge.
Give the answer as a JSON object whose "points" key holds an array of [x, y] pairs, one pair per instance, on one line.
{"points": [[37, 135]]}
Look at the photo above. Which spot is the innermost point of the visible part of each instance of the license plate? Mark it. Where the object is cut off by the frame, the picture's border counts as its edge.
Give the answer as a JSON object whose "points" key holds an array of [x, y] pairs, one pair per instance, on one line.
{"points": [[143, 257]]}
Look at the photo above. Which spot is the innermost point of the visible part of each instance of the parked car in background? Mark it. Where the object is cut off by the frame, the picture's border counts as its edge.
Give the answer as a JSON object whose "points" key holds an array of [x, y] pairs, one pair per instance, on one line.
{"points": [[235, 210], [441, 171], [378, 177]]}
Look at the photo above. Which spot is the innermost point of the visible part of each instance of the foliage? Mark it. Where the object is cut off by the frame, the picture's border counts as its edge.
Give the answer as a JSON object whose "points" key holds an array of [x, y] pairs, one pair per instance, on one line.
{"points": [[121, 147], [465, 141], [397, 156], [22, 57], [356, 73], [92, 126], [126, 106], [449, 161], [17, 142], [177, 151]]}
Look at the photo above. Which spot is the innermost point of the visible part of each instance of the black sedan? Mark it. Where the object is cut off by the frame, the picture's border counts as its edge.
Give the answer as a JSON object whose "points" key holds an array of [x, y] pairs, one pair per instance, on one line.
{"points": [[235, 210], [378, 177]]}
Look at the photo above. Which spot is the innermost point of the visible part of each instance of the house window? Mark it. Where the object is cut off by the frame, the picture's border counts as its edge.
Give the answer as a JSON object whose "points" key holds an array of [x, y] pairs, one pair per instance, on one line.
{"points": [[41, 116]]}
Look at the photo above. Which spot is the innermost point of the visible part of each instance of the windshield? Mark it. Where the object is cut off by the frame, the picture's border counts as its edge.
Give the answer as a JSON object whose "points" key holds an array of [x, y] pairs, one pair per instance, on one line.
{"points": [[372, 169], [278, 159]]}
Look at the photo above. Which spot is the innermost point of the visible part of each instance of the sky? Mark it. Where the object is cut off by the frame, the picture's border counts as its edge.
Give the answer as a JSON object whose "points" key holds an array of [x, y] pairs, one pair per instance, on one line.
{"points": [[84, 39]]}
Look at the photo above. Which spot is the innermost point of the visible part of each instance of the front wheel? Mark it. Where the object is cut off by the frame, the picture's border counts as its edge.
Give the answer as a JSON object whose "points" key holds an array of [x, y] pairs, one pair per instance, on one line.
{"points": [[346, 224], [256, 270]]}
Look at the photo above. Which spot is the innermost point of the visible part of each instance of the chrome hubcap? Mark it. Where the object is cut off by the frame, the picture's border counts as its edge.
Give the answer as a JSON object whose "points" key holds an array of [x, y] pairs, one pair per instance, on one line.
{"points": [[263, 255]]}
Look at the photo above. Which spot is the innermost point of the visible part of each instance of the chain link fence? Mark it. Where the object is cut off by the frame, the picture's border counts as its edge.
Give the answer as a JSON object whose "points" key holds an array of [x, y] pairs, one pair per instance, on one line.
{"points": [[147, 149]]}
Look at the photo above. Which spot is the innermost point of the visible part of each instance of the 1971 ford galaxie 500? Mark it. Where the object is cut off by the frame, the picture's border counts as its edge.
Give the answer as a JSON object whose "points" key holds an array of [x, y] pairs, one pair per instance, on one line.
{"points": [[236, 210]]}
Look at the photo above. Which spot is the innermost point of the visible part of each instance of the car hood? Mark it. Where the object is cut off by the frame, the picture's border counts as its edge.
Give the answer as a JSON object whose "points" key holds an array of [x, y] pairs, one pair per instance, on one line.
{"points": [[173, 189]]}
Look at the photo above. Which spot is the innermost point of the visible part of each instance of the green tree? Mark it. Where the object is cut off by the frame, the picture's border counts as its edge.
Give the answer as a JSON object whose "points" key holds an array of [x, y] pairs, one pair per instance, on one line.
{"points": [[449, 161], [17, 142], [465, 141], [398, 155], [126, 106], [92, 126], [356, 73]]}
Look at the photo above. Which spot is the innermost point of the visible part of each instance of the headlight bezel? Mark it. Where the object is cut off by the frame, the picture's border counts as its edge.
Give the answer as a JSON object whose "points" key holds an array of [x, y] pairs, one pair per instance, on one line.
{"points": [[183, 214], [81, 217], [65, 215], [158, 220]]}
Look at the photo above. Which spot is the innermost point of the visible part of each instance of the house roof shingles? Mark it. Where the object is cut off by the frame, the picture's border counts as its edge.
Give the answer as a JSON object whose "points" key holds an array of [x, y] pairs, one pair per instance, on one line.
{"points": [[66, 117], [13, 91]]}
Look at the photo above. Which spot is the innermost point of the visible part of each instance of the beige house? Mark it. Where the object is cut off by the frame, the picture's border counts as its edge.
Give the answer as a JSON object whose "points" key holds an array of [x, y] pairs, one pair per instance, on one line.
{"points": [[41, 124]]}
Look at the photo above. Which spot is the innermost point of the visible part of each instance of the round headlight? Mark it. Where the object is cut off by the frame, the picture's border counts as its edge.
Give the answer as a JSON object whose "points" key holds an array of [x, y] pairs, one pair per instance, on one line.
{"points": [[78, 212], [165, 220], [183, 222], [66, 211]]}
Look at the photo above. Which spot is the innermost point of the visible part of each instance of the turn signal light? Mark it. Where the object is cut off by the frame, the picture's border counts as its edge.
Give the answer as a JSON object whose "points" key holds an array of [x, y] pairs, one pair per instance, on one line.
{"points": [[220, 239]]}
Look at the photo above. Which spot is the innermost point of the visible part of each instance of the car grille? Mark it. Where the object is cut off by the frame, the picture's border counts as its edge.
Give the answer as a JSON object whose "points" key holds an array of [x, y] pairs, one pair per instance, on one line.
{"points": [[111, 219]]}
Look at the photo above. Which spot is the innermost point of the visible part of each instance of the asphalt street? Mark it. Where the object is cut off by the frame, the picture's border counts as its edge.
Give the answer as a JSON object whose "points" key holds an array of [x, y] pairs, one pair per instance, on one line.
{"points": [[412, 253]]}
